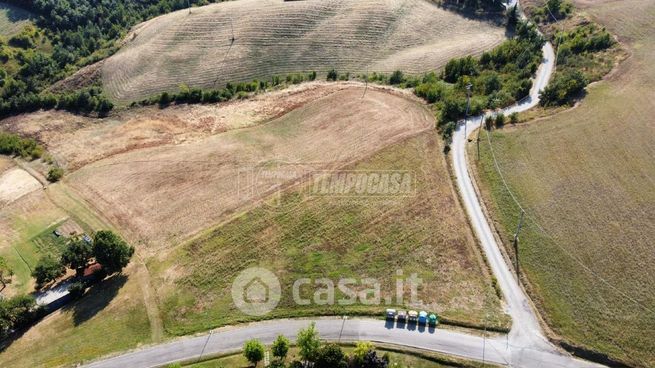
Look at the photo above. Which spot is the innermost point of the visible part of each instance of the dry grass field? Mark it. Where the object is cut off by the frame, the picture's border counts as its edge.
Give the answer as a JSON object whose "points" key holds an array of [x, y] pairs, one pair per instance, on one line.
{"points": [[587, 178], [75, 141], [339, 237], [273, 37], [160, 196], [12, 19]]}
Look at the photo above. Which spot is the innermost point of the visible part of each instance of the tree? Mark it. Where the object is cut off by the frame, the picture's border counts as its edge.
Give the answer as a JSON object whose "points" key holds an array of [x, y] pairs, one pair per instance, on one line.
{"points": [[5, 273], [330, 356], [512, 18], [371, 360], [77, 255], [332, 75], [514, 118], [500, 120], [280, 347], [111, 251], [361, 349], [46, 270], [308, 342], [55, 173], [397, 77], [489, 122], [253, 350]]}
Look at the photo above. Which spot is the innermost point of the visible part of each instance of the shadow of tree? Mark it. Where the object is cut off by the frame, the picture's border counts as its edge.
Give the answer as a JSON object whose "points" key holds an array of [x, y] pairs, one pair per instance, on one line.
{"points": [[14, 13], [96, 299]]}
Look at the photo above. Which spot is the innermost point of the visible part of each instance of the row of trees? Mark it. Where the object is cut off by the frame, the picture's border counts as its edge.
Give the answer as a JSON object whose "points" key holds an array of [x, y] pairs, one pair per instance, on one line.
{"points": [[313, 353], [107, 249], [193, 95], [86, 101]]}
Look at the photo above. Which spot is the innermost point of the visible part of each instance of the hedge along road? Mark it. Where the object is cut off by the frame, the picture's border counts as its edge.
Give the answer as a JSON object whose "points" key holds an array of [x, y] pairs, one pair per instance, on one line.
{"points": [[524, 346]]}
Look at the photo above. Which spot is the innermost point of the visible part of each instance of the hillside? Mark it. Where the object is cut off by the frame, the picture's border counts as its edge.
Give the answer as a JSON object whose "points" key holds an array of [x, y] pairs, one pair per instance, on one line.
{"points": [[12, 19], [586, 179], [273, 37]]}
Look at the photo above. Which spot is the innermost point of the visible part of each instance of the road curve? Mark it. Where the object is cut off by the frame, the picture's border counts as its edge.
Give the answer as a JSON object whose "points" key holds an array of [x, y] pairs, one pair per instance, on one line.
{"points": [[524, 346]]}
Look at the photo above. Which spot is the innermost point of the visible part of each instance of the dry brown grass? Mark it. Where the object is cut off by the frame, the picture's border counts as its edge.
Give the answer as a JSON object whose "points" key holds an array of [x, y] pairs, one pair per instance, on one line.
{"points": [[275, 37], [162, 195], [587, 176]]}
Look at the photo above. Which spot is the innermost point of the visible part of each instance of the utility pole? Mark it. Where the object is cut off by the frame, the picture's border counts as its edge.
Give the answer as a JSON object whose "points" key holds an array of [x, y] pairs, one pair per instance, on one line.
{"points": [[482, 121], [468, 106], [188, 5], [516, 245]]}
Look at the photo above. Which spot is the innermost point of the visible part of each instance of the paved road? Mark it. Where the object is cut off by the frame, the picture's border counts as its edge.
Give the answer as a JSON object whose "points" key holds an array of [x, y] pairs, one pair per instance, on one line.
{"points": [[524, 346]]}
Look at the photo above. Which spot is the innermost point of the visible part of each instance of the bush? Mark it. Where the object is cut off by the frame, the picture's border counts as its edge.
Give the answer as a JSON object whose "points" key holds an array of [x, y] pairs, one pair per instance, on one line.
{"points": [[397, 77], [330, 356], [55, 173], [332, 75], [563, 89], [253, 350], [514, 118], [500, 120], [12, 144]]}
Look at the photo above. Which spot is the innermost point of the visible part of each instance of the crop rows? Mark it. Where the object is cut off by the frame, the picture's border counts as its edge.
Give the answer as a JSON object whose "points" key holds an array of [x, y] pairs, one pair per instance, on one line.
{"points": [[276, 38]]}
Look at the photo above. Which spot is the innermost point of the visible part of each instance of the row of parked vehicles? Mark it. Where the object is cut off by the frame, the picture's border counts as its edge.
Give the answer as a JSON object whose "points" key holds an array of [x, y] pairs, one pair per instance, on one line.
{"points": [[413, 316]]}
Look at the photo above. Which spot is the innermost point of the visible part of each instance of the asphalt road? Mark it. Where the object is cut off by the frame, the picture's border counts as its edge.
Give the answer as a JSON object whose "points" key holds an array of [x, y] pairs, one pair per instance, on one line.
{"points": [[524, 346]]}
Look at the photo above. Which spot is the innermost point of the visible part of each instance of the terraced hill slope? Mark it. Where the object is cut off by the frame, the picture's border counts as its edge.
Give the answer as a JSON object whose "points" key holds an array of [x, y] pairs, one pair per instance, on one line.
{"points": [[276, 37]]}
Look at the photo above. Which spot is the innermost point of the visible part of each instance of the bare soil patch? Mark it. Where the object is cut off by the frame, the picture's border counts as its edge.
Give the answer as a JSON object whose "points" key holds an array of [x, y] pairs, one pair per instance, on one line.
{"points": [[15, 183]]}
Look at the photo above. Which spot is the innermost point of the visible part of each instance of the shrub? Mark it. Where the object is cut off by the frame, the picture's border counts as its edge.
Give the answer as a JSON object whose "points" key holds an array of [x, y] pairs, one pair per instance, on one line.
{"points": [[514, 118], [396, 77], [332, 75], [563, 89], [280, 347], [500, 120], [55, 173], [330, 356], [253, 350]]}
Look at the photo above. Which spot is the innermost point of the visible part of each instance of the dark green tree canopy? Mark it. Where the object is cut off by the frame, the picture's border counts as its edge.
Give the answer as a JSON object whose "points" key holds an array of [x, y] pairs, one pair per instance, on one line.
{"points": [[111, 251]]}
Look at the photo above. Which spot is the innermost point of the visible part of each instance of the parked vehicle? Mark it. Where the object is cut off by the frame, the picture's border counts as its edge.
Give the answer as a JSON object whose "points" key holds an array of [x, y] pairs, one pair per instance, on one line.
{"points": [[412, 316], [402, 316], [433, 320], [391, 314], [422, 317]]}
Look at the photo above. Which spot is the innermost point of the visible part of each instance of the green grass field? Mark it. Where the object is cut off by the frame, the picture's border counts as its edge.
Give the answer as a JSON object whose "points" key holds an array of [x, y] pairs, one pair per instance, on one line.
{"points": [[585, 177], [308, 236]]}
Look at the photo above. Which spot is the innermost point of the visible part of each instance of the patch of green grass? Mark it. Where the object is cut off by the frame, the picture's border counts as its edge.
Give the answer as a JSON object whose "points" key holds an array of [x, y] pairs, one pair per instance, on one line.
{"points": [[315, 237]]}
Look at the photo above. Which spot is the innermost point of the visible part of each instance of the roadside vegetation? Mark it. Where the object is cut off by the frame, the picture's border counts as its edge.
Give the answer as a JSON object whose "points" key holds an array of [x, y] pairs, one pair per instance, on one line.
{"points": [[311, 351], [582, 176]]}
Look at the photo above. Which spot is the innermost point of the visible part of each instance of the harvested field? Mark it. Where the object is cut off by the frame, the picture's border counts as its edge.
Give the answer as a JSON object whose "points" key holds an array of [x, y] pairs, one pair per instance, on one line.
{"points": [[76, 140], [272, 37], [332, 236], [587, 179], [12, 19], [162, 195]]}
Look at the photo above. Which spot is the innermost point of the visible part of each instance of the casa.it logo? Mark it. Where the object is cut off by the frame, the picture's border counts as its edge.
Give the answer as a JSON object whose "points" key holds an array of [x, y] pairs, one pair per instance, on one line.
{"points": [[256, 291]]}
